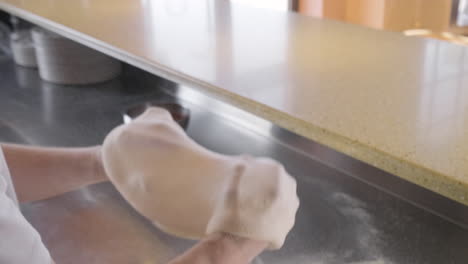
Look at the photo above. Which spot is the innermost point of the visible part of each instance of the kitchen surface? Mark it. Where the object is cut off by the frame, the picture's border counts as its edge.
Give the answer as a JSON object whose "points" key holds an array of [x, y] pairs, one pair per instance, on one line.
{"points": [[344, 216], [391, 101], [371, 123]]}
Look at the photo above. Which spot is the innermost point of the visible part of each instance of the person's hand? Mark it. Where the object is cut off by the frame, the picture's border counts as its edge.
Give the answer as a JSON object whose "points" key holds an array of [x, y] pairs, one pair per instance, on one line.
{"points": [[258, 200], [222, 248], [98, 167]]}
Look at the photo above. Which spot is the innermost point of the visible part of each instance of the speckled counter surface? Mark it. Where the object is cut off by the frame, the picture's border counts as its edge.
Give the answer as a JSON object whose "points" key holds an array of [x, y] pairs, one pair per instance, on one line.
{"points": [[398, 103]]}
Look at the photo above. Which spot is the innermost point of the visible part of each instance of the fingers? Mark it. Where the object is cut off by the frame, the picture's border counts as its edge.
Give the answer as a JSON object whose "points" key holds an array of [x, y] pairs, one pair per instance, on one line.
{"points": [[259, 202]]}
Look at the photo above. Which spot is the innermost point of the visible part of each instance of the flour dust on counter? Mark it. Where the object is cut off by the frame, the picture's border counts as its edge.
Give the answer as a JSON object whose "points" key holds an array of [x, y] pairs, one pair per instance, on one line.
{"points": [[341, 225]]}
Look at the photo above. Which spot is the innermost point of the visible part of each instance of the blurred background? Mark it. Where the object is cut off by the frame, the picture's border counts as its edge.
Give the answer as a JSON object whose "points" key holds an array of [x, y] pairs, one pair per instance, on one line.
{"points": [[442, 19]]}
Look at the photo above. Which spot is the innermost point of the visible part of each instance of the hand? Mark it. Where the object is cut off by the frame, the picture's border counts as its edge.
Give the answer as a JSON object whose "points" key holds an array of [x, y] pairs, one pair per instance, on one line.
{"points": [[222, 248], [258, 200], [98, 167]]}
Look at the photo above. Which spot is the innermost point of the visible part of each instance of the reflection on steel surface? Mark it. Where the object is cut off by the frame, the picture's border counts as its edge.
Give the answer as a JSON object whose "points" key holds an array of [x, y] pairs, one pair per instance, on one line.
{"points": [[347, 213]]}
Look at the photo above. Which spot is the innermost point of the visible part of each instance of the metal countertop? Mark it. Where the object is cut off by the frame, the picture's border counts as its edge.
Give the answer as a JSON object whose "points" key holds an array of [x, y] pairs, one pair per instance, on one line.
{"points": [[342, 219]]}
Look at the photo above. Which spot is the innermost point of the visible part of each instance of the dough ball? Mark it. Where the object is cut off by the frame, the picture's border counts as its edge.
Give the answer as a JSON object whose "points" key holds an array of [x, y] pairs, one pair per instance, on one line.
{"points": [[191, 192]]}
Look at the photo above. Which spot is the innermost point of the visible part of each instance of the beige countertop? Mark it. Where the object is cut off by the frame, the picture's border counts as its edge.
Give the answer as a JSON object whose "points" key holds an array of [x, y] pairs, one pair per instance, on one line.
{"points": [[398, 103]]}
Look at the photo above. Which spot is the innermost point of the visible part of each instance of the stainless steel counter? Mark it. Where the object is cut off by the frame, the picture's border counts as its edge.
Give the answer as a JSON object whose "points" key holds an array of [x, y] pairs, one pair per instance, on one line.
{"points": [[347, 214]]}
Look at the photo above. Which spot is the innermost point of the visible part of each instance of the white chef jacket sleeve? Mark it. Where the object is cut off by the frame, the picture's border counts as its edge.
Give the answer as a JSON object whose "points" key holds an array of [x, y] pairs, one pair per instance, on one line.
{"points": [[20, 243]]}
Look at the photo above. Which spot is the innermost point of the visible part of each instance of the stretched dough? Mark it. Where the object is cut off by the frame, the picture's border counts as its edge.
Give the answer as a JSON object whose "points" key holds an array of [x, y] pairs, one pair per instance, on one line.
{"points": [[189, 191]]}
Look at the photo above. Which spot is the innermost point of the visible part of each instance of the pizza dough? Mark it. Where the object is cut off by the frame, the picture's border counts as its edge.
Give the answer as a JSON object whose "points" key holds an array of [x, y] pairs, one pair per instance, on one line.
{"points": [[189, 191]]}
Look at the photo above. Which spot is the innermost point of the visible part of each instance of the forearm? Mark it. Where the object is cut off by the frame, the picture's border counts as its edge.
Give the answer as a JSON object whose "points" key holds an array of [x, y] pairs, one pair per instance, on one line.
{"points": [[40, 173], [222, 248]]}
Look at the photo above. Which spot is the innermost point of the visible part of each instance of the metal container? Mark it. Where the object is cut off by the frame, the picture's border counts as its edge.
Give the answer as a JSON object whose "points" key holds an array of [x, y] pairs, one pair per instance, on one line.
{"points": [[4, 38], [64, 61], [22, 48]]}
